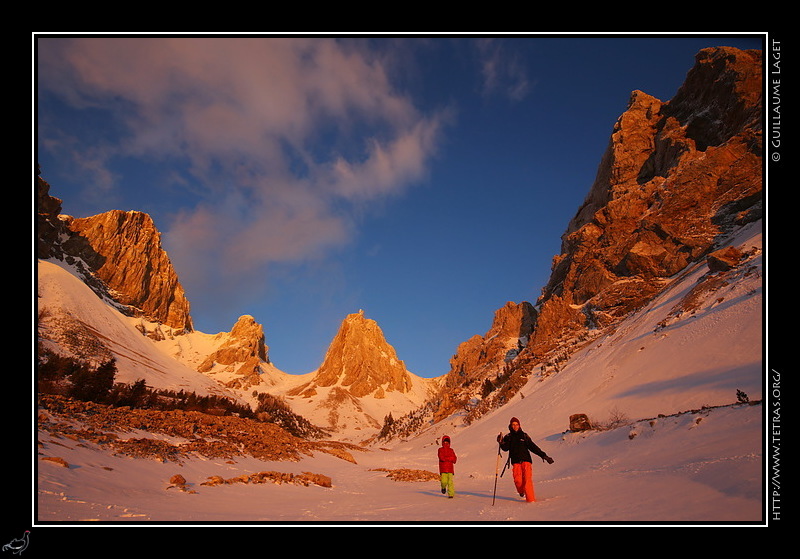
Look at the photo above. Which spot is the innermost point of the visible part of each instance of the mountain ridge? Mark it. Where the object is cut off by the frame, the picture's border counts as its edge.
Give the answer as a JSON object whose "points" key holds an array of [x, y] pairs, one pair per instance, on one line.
{"points": [[676, 179], [666, 190], [668, 369]]}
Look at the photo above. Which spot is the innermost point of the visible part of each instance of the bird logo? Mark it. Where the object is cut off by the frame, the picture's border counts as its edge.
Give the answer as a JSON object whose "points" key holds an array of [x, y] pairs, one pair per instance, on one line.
{"points": [[18, 545]]}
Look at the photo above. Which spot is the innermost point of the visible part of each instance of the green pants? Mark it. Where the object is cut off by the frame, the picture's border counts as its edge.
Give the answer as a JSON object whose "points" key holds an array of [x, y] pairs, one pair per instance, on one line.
{"points": [[447, 484]]}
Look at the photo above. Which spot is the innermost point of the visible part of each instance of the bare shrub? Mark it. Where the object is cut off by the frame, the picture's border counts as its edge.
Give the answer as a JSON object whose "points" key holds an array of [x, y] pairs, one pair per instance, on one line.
{"points": [[616, 418]]}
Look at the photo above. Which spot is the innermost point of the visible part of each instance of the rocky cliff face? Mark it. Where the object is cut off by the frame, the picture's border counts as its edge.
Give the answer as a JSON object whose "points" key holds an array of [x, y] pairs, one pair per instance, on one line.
{"points": [[676, 177], [48, 225], [512, 325], [124, 250], [484, 359], [119, 255]]}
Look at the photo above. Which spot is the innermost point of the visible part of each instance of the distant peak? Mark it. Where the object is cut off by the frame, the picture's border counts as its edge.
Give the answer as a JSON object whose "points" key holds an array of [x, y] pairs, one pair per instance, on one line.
{"points": [[361, 359]]}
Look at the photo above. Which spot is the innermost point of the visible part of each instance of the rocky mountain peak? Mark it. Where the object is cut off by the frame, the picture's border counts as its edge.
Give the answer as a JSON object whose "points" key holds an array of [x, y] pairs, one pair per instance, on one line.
{"points": [[118, 254], [123, 249], [251, 335], [721, 97], [674, 178], [361, 360], [242, 352], [245, 341]]}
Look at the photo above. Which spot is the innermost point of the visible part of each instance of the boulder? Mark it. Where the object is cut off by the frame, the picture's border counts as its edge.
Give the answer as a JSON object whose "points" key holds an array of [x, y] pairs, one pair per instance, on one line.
{"points": [[724, 259], [579, 422]]}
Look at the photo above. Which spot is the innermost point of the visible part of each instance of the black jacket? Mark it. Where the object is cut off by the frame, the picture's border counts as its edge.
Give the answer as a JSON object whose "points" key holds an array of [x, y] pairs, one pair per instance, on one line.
{"points": [[519, 447]]}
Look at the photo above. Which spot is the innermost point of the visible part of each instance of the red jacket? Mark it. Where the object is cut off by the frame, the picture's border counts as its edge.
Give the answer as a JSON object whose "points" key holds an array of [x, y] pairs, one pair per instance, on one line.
{"points": [[447, 458]]}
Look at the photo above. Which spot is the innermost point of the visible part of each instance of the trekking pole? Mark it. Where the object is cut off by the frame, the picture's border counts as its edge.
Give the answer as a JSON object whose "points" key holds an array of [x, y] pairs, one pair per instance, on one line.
{"points": [[496, 469]]}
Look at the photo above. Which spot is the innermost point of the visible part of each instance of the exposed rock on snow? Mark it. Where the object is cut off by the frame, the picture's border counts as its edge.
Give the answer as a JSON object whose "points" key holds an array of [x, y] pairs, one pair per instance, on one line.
{"points": [[306, 478], [176, 436], [579, 422]]}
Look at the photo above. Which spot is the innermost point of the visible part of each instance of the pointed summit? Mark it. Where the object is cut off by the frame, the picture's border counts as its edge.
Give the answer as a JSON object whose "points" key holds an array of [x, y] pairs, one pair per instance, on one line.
{"points": [[359, 381], [361, 360], [245, 341]]}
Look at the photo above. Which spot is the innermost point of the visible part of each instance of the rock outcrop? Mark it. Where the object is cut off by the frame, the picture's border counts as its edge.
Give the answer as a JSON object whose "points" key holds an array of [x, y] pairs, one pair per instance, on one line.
{"points": [[49, 227], [244, 349], [124, 250], [118, 254], [675, 178], [482, 359], [512, 325]]}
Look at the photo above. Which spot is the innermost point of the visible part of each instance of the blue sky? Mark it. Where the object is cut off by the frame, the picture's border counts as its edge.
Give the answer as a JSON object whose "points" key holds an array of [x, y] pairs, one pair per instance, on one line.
{"points": [[425, 180]]}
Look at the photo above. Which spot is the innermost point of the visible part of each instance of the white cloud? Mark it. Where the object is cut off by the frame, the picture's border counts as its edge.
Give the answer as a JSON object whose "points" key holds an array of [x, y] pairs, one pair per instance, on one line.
{"points": [[278, 133]]}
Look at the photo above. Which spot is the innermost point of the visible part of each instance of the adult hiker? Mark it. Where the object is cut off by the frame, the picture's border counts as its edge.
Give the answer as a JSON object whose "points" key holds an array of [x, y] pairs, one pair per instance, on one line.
{"points": [[447, 460], [519, 447]]}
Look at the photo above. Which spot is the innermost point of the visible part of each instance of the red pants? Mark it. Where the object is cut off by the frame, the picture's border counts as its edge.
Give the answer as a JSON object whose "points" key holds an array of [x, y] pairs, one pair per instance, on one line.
{"points": [[523, 480]]}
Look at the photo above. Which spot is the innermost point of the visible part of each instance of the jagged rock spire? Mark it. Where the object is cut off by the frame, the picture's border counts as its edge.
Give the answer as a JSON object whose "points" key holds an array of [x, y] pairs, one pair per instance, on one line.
{"points": [[360, 359]]}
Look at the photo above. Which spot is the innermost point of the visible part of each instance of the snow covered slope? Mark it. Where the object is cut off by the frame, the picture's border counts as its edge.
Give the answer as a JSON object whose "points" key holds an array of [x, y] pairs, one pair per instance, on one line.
{"points": [[67, 306], [72, 316], [669, 357]]}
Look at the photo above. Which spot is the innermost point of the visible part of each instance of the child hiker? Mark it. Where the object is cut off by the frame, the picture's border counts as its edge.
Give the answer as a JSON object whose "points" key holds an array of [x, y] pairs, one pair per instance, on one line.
{"points": [[519, 446], [447, 460]]}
